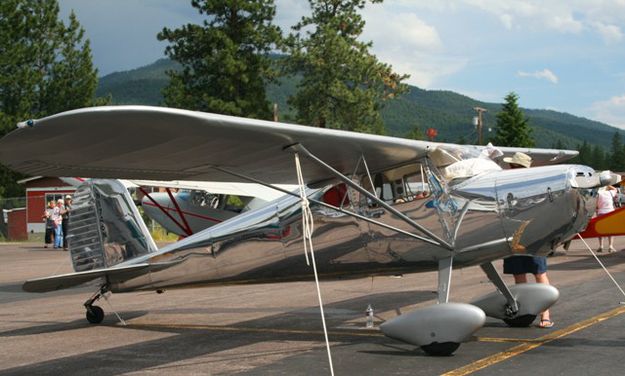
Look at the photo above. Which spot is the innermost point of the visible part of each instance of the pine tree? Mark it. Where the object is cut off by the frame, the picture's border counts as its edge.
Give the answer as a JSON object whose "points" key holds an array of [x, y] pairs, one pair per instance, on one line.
{"points": [[225, 62], [415, 133], [512, 126], [616, 157], [598, 158], [343, 85], [73, 74], [45, 68], [584, 157], [559, 144]]}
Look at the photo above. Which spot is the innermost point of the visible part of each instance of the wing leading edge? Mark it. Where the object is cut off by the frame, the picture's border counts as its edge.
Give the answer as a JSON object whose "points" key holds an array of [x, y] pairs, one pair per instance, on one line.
{"points": [[157, 143]]}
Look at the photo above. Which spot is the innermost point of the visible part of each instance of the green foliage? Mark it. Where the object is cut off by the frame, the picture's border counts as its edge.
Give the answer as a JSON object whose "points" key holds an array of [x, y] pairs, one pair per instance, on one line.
{"points": [[598, 158], [138, 86], [342, 85], [450, 113], [616, 158], [45, 68], [512, 126], [416, 133], [225, 63], [559, 144]]}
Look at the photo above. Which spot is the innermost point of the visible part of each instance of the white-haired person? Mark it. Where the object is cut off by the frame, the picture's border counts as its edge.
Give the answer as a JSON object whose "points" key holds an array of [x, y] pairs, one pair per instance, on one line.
{"points": [[605, 205]]}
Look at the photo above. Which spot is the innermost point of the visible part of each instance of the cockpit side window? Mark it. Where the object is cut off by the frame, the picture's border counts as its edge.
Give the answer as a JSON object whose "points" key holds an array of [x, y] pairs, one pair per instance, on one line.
{"points": [[401, 184]]}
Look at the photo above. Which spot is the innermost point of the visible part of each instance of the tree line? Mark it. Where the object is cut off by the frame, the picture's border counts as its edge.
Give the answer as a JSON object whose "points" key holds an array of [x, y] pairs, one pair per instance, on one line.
{"points": [[46, 67]]}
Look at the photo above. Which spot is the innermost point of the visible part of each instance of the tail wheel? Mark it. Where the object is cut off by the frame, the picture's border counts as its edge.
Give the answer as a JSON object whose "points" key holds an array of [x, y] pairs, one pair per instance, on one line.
{"points": [[95, 314]]}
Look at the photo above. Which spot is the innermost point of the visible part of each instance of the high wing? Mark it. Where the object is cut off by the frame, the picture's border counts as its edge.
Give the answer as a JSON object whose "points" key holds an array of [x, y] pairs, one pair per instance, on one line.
{"points": [[139, 142], [220, 188]]}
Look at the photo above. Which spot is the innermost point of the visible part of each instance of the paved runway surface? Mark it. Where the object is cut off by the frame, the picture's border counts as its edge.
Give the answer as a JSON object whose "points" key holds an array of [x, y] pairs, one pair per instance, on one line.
{"points": [[276, 330]]}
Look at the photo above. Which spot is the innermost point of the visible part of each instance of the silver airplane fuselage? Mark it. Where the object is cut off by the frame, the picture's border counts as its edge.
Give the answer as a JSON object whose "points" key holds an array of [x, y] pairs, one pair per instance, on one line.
{"points": [[486, 217]]}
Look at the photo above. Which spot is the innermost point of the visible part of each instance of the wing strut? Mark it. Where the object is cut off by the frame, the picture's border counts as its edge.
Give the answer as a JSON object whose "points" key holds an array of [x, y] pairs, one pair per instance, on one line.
{"points": [[187, 230], [298, 148], [329, 206]]}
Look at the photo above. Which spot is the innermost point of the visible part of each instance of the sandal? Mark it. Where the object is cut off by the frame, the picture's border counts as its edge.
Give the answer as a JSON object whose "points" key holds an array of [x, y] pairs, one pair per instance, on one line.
{"points": [[545, 324]]}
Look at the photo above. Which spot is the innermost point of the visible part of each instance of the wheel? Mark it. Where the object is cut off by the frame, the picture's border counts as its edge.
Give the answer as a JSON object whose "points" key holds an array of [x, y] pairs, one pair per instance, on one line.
{"points": [[95, 314], [520, 321], [441, 349]]}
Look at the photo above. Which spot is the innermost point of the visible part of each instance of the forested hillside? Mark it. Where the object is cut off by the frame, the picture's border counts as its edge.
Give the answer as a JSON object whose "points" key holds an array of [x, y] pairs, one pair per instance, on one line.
{"points": [[450, 113]]}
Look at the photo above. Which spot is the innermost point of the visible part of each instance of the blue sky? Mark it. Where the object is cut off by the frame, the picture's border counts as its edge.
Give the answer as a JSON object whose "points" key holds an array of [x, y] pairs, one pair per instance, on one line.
{"points": [[556, 54]]}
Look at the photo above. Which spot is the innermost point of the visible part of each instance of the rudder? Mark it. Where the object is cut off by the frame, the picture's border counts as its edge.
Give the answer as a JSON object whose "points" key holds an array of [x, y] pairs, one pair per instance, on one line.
{"points": [[105, 227]]}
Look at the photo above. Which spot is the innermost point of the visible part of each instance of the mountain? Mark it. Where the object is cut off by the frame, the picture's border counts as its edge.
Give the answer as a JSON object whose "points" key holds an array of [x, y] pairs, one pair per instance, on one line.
{"points": [[448, 112]]}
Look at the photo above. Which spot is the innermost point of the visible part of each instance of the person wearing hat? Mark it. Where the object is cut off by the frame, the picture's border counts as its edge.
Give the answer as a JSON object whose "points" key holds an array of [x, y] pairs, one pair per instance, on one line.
{"points": [[519, 266], [605, 204], [67, 207], [519, 160]]}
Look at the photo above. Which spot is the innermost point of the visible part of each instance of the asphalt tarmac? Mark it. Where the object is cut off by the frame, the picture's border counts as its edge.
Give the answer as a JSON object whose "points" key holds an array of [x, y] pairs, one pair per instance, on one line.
{"points": [[276, 330]]}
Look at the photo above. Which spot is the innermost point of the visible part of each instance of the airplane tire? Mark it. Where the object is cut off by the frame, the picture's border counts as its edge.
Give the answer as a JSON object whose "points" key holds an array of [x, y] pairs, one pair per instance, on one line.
{"points": [[521, 321], [440, 349], [95, 314]]}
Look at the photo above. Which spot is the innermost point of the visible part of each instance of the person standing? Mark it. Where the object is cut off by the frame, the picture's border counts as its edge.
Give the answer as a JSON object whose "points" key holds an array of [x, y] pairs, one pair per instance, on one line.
{"points": [[519, 265], [47, 217], [65, 216], [57, 217], [605, 205]]}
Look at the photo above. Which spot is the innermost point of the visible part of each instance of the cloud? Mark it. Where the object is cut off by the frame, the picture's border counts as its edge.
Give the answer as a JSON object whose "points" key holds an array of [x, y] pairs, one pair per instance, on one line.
{"points": [[611, 111], [562, 16], [611, 34], [565, 23], [409, 44], [545, 74], [506, 20]]}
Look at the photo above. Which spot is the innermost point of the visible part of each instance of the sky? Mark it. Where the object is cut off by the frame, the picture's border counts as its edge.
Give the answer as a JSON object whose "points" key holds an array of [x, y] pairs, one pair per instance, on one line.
{"points": [[563, 55]]}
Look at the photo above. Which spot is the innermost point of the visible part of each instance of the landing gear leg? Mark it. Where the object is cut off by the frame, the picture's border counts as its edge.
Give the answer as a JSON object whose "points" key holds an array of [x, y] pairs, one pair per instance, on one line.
{"points": [[95, 314], [511, 308], [445, 267]]}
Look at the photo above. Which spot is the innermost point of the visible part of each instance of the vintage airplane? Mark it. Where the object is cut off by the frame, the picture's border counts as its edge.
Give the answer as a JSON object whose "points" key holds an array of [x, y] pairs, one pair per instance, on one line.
{"points": [[355, 187]]}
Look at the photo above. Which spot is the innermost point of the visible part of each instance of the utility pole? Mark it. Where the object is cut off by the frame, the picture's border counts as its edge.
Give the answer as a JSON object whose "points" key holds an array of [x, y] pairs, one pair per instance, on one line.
{"points": [[477, 121], [275, 112]]}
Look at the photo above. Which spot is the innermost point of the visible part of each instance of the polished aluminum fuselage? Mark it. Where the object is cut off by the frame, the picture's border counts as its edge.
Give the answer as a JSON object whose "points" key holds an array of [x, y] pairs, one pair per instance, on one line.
{"points": [[486, 217]]}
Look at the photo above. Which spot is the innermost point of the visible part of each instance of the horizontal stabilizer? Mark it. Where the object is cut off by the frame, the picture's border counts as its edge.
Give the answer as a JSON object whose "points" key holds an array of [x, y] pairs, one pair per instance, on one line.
{"points": [[64, 281]]}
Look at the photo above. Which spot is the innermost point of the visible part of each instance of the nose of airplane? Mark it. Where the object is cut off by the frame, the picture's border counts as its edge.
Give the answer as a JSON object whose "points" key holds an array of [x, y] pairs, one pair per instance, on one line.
{"points": [[545, 206]]}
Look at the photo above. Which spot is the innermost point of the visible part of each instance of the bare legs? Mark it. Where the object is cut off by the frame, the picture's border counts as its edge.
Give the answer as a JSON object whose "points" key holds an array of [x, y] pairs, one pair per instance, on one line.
{"points": [[610, 244], [540, 278]]}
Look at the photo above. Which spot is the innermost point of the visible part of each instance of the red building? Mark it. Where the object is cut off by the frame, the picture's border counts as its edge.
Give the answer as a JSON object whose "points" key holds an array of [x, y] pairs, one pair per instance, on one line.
{"points": [[40, 190]]}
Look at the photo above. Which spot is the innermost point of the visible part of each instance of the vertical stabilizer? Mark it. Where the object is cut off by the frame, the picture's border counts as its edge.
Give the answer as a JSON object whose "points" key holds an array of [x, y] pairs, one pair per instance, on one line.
{"points": [[105, 227]]}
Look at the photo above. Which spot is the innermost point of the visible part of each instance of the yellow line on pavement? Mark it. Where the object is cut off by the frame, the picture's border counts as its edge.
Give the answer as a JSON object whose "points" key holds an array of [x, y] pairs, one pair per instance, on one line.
{"points": [[517, 350], [495, 339]]}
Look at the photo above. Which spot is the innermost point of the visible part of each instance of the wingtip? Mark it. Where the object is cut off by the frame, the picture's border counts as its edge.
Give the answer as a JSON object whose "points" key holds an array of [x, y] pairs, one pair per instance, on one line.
{"points": [[26, 124]]}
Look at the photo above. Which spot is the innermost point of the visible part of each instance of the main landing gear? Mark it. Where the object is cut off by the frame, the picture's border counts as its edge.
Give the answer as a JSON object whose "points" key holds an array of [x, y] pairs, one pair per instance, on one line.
{"points": [[516, 305], [439, 329], [94, 313]]}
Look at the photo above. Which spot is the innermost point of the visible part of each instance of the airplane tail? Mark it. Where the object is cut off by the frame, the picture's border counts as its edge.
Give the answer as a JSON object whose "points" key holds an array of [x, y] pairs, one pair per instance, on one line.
{"points": [[105, 227]]}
